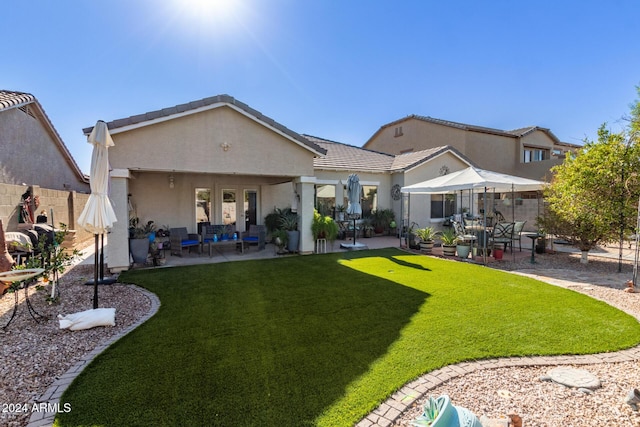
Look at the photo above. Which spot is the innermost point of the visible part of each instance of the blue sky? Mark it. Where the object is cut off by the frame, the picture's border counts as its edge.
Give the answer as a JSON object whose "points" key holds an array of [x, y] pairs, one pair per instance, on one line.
{"points": [[338, 69]]}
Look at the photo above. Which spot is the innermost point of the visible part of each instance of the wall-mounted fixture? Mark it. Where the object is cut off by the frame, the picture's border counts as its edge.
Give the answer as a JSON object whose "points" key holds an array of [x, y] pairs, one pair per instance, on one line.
{"points": [[225, 146], [171, 181]]}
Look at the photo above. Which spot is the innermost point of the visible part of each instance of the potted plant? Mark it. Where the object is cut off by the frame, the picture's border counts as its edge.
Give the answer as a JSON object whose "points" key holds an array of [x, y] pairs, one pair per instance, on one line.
{"points": [[324, 227], [498, 251], [272, 221], [427, 236], [289, 223], [449, 239], [367, 227], [381, 218], [463, 247], [139, 239], [341, 209]]}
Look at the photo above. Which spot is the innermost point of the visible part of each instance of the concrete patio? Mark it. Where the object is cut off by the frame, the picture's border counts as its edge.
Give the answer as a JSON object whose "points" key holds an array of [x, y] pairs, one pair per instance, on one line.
{"points": [[225, 254]]}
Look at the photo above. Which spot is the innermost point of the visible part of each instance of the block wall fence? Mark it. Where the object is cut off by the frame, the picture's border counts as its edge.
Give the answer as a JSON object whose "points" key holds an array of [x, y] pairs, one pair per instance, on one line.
{"points": [[66, 205]]}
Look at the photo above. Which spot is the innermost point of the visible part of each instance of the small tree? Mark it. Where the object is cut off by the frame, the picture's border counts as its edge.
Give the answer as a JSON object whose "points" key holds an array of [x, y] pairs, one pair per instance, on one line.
{"points": [[593, 195], [54, 259]]}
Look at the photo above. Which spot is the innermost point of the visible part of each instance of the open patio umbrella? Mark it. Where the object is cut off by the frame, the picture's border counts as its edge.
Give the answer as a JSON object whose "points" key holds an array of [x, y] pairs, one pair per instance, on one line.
{"points": [[98, 215]]}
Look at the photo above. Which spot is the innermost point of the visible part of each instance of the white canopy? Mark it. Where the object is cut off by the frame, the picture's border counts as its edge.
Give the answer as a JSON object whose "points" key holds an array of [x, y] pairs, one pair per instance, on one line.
{"points": [[471, 178]]}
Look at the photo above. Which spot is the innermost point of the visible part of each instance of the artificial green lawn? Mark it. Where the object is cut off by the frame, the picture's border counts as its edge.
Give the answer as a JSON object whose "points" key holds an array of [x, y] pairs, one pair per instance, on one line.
{"points": [[321, 340]]}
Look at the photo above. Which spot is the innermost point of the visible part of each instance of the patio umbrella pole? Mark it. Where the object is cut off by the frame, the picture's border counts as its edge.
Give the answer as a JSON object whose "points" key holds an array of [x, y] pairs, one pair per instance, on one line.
{"points": [[354, 230], [101, 257], [95, 274]]}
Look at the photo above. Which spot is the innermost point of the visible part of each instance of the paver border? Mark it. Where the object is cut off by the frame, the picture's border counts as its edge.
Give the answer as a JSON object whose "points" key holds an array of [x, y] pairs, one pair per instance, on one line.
{"points": [[51, 398]]}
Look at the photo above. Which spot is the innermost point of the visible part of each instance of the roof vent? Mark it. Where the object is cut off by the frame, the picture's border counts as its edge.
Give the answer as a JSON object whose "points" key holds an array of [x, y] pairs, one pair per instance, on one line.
{"points": [[25, 109]]}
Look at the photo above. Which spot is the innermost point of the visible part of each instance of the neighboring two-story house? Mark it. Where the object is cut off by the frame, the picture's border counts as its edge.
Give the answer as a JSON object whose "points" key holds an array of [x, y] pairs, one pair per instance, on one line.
{"points": [[527, 152]]}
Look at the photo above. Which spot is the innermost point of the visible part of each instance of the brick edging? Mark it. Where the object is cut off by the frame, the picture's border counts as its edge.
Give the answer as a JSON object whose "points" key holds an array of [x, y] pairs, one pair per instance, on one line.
{"points": [[51, 397]]}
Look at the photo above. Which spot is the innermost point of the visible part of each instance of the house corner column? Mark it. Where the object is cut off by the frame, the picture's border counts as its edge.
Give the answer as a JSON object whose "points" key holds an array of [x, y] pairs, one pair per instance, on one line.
{"points": [[117, 250], [305, 188]]}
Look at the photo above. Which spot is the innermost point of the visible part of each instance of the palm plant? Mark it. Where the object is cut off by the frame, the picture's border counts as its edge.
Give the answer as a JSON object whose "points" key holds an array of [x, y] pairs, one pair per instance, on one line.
{"points": [[449, 237], [427, 234]]}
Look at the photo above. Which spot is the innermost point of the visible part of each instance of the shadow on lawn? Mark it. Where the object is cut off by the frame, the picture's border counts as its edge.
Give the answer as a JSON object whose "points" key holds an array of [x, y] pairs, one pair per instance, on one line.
{"points": [[268, 342], [390, 254]]}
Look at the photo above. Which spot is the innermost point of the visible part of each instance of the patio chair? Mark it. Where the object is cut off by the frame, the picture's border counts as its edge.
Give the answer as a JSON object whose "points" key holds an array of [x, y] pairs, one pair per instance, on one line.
{"points": [[503, 234], [459, 229], [517, 234], [180, 239], [255, 236]]}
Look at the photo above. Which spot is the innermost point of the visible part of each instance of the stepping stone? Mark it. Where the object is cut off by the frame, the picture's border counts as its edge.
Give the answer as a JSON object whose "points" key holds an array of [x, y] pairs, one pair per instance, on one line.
{"points": [[578, 378]]}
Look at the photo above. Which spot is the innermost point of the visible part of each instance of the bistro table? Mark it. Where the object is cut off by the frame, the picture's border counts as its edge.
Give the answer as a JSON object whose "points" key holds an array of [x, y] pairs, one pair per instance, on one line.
{"points": [[533, 237], [22, 276]]}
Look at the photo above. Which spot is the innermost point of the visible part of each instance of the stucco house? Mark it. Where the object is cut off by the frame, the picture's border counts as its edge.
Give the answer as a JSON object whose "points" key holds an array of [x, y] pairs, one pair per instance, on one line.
{"points": [[219, 160], [31, 149], [382, 175], [528, 152], [216, 152]]}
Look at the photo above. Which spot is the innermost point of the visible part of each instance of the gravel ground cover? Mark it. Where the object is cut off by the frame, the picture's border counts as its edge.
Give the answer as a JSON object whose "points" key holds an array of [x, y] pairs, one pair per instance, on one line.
{"points": [[35, 354]]}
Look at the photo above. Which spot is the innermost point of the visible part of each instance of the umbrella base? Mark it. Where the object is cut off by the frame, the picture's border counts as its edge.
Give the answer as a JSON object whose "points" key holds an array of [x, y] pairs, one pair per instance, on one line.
{"points": [[353, 246], [105, 281]]}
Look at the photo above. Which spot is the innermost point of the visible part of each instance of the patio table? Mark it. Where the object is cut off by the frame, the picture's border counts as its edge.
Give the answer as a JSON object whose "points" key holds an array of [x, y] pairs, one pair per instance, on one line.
{"points": [[23, 277], [225, 242]]}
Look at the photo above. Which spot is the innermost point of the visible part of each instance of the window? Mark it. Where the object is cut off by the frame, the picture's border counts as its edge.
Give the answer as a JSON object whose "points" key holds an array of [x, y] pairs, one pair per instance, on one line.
{"points": [[442, 205], [398, 132], [535, 154], [203, 205], [369, 200], [325, 199], [229, 207]]}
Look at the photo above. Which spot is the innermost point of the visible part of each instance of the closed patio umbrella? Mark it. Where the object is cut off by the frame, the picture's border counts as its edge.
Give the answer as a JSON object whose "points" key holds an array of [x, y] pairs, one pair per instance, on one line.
{"points": [[354, 209], [98, 215]]}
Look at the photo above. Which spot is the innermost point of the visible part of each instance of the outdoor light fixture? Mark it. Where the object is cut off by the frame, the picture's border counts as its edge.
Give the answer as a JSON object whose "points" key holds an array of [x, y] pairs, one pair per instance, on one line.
{"points": [[225, 146], [171, 181]]}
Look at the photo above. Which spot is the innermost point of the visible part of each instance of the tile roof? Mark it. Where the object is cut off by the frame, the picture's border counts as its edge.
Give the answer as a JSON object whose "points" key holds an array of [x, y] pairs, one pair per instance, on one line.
{"points": [[348, 157], [9, 99], [516, 133], [406, 161], [203, 103]]}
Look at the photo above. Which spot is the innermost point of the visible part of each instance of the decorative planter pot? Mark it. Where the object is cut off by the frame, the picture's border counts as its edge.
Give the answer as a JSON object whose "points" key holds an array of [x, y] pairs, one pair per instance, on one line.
{"points": [[294, 240], [448, 414], [497, 253], [463, 251], [139, 249], [449, 250], [426, 247]]}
